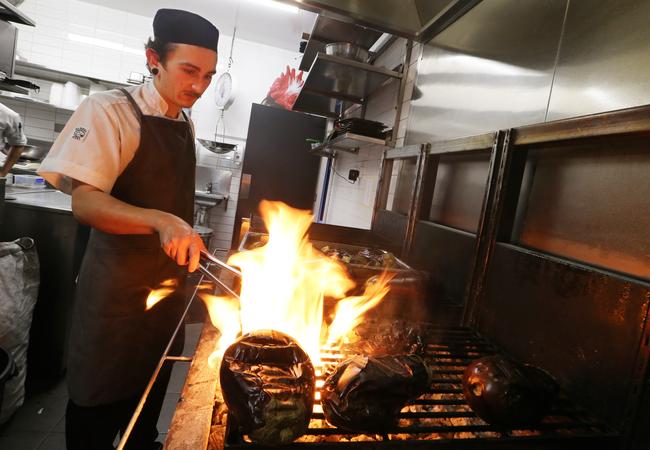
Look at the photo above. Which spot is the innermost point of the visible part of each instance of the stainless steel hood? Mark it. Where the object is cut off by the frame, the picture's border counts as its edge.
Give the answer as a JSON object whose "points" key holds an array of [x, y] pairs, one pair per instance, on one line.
{"points": [[418, 20]]}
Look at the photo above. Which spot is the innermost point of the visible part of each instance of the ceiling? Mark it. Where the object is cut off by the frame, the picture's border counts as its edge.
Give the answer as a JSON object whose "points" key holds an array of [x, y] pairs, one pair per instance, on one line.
{"points": [[258, 20]]}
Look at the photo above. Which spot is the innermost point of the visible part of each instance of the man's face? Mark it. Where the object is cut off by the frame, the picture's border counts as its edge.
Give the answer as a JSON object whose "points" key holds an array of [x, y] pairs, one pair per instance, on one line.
{"points": [[186, 74]]}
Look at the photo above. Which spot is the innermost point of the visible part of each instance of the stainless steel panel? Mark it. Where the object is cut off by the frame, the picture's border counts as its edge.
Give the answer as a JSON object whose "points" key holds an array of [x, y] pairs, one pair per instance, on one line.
{"points": [[491, 69], [589, 204], [604, 59], [459, 190], [413, 19]]}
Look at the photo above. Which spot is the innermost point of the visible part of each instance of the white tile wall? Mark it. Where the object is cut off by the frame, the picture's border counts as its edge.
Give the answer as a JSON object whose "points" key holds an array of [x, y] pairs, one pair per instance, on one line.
{"points": [[254, 69], [351, 205]]}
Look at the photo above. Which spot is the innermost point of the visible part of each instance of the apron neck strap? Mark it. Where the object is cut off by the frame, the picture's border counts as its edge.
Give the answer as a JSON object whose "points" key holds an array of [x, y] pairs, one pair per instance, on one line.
{"points": [[138, 111]]}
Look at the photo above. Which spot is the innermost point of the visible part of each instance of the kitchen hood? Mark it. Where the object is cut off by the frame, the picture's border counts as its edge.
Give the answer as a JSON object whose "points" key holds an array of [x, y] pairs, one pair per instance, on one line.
{"points": [[419, 20]]}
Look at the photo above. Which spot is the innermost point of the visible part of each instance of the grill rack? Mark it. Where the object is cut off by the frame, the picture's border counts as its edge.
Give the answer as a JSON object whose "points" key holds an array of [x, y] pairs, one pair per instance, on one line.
{"points": [[442, 418]]}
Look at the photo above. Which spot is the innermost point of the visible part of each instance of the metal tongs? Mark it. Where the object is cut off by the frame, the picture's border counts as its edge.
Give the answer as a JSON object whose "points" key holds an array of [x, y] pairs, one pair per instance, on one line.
{"points": [[204, 264]]}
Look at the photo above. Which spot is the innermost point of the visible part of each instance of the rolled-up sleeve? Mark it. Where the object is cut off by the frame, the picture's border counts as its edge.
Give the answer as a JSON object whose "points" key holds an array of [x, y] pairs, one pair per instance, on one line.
{"points": [[87, 149]]}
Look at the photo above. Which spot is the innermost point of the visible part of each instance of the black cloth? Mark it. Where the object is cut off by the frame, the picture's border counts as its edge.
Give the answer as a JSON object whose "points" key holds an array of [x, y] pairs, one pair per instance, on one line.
{"points": [[115, 342], [183, 27], [96, 427]]}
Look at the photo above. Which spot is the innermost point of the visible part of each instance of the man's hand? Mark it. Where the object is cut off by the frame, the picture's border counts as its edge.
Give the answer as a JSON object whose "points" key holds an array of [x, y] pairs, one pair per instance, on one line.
{"points": [[100, 210], [179, 240]]}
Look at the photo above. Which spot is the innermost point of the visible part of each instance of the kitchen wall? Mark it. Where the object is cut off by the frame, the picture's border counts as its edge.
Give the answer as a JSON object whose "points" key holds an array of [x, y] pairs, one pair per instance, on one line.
{"points": [[351, 204], [254, 68], [509, 63]]}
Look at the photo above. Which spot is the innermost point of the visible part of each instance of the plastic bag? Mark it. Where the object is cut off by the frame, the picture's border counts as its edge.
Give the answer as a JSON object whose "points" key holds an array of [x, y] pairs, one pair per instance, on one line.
{"points": [[19, 281], [268, 384]]}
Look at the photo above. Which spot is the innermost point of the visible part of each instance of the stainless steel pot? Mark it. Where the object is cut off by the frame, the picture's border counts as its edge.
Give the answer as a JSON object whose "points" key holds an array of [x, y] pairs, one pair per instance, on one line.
{"points": [[347, 50]]}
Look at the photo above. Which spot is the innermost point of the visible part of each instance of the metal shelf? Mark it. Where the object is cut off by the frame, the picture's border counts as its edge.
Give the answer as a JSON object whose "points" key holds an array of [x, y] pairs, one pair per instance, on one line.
{"points": [[348, 142], [10, 13], [32, 101], [332, 79], [328, 30], [31, 70]]}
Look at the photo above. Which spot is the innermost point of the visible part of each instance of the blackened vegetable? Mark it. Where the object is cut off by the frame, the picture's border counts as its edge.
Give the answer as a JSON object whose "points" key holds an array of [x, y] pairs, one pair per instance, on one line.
{"points": [[504, 392], [268, 383], [366, 393]]}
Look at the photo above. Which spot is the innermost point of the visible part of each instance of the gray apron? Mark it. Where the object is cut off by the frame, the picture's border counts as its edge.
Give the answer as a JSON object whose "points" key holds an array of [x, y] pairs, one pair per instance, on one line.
{"points": [[115, 344]]}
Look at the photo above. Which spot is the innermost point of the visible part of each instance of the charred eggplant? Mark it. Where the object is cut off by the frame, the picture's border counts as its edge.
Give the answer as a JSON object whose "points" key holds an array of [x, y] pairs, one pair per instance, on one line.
{"points": [[366, 394], [504, 392], [268, 384]]}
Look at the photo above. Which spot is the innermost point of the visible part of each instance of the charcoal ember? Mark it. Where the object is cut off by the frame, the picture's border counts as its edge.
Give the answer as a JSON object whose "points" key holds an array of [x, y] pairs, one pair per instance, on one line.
{"points": [[385, 338], [268, 384], [505, 392], [365, 393]]}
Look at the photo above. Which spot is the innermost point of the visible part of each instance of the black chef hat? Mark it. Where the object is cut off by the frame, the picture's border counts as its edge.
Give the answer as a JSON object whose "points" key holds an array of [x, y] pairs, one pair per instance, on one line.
{"points": [[176, 26]]}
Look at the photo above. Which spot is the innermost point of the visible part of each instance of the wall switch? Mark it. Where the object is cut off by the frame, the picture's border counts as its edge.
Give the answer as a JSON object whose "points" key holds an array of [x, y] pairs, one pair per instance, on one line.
{"points": [[353, 175]]}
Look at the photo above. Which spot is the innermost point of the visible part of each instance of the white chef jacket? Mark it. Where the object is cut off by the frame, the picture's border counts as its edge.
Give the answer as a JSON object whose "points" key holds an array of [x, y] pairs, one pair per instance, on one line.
{"points": [[101, 138], [11, 127]]}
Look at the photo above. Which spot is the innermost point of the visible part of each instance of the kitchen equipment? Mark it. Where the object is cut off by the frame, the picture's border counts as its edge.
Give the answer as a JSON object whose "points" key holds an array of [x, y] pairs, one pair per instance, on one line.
{"points": [[347, 50], [30, 152], [71, 95], [217, 147], [56, 93]]}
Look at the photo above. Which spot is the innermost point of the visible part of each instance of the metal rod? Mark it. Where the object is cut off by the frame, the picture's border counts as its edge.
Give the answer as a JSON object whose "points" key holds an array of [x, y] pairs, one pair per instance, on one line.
{"points": [[214, 278], [213, 259], [154, 377]]}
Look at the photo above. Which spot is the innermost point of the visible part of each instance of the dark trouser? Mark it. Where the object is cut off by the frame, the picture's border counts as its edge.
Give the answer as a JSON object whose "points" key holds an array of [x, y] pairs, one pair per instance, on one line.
{"points": [[95, 427]]}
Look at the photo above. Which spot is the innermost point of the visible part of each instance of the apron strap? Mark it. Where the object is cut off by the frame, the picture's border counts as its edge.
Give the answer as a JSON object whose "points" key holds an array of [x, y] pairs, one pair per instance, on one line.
{"points": [[187, 119], [138, 111]]}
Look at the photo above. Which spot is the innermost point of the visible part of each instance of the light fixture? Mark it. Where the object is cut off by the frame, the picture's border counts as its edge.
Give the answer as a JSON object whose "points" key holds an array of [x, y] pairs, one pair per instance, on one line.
{"points": [[277, 5], [103, 43]]}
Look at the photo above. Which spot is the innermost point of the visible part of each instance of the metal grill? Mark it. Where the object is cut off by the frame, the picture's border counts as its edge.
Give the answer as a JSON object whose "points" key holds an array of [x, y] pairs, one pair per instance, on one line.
{"points": [[442, 418]]}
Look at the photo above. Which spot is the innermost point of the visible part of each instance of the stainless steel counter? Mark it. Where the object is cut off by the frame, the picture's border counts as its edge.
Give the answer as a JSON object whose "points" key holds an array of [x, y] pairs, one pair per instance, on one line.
{"points": [[49, 199]]}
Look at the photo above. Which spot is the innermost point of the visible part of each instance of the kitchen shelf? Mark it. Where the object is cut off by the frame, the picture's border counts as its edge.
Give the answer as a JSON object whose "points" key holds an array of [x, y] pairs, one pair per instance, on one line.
{"points": [[328, 30], [10, 13], [31, 70], [31, 101], [348, 142], [333, 78]]}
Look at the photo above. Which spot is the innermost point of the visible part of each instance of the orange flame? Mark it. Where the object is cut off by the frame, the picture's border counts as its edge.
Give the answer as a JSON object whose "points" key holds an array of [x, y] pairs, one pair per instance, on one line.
{"points": [[224, 315], [156, 295], [284, 285]]}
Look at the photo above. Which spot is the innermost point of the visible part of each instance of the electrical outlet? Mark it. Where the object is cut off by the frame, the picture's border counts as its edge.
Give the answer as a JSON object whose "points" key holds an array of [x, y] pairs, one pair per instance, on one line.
{"points": [[353, 175]]}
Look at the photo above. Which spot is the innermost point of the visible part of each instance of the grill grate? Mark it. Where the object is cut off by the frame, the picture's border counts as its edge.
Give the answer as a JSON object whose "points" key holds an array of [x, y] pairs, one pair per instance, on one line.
{"points": [[442, 417]]}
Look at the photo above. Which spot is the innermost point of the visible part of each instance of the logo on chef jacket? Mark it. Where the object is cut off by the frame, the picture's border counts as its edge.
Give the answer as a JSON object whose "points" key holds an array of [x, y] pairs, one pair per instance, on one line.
{"points": [[80, 134]]}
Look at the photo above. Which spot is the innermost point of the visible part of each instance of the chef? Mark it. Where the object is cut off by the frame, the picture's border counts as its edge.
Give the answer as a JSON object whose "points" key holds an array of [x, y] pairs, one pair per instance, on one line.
{"points": [[127, 157], [11, 134]]}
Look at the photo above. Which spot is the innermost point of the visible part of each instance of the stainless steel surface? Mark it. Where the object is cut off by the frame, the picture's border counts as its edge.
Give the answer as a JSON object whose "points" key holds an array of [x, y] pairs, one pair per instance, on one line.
{"points": [[217, 147], [211, 180], [10, 13], [459, 190], [491, 69], [46, 199], [603, 65], [348, 142], [328, 30], [30, 152], [415, 19], [332, 77], [347, 50]]}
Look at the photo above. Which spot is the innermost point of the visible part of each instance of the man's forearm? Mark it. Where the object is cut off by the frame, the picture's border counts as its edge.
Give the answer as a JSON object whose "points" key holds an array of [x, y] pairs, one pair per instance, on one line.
{"points": [[106, 213], [13, 156]]}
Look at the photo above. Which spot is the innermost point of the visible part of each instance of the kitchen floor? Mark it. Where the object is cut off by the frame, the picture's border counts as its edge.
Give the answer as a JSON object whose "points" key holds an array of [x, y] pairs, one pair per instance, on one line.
{"points": [[40, 422]]}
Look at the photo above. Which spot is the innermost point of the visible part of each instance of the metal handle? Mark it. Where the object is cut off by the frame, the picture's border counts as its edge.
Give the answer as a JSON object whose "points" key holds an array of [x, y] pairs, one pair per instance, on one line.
{"points": [[213, 259]]}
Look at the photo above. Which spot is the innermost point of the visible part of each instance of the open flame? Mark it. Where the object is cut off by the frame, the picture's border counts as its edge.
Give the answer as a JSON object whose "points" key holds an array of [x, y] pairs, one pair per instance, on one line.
{"points": [[284, 285], [163, 291]]}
